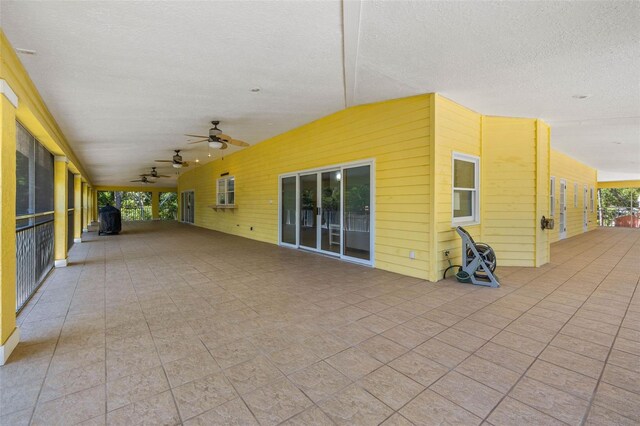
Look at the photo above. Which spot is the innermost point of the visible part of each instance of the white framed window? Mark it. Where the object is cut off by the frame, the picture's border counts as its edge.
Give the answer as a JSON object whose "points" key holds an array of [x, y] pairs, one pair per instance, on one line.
{"points": [[552, 197], [591, 203], [465, 195], [225, 192], [575, 195]]}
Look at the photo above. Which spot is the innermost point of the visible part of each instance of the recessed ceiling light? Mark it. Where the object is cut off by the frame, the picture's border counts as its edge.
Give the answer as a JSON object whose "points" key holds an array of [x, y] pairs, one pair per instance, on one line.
{"points": [[25, 51], [255, 89], [582, 96]]}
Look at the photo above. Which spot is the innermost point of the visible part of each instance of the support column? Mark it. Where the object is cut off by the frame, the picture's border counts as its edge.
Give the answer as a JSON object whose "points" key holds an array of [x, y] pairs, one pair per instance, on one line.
{"points": [[60, 210], [77, 213], [94, 206], [9, 332], [85, 207], [90, 207], [155, 205]]}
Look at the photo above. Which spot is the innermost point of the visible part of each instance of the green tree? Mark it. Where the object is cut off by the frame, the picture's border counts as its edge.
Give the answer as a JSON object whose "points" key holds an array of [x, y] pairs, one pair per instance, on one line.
{"points": [[615, 202]]}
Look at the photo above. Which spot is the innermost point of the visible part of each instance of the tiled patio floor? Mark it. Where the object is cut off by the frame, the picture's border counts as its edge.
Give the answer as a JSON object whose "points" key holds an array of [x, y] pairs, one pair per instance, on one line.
{"points": [[168, 323]]}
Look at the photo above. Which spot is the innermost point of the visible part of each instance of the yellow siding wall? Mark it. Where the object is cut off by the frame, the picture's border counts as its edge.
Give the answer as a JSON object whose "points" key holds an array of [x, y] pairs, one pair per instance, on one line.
{"points": [[573, 171], [543, 166], [457, 129], [509, 189], [395, 134]]}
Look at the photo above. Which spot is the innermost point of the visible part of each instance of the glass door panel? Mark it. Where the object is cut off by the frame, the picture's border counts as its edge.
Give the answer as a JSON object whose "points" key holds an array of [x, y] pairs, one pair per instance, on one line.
{"points": [[308, 208], [357, 212], [330, 212], [288, 212]]}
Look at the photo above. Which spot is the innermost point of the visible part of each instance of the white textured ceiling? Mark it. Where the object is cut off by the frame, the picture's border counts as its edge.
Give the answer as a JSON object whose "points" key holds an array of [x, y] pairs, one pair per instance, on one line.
{"points": [[125, 80]]}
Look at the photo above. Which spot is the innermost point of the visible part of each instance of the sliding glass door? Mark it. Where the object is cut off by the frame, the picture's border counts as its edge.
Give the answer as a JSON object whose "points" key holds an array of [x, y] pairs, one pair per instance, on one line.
{"points": [[328, 211]]}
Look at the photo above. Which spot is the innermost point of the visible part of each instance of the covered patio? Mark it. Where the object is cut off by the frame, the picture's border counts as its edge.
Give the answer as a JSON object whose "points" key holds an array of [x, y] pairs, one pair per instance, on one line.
{"points": [[172, 324]]}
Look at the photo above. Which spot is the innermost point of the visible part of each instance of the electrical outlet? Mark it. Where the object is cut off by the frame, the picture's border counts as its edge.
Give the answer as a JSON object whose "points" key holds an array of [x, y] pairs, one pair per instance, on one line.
{"points": [[251, 228], [412, 254], [447, 253]]}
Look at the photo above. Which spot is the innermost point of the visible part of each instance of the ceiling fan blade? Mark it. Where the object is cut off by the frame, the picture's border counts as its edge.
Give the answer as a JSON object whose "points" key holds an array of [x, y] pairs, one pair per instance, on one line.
{"points": [[161, 176], [224, 145], [164, 161], [137, 180], [197, 136], [203, 140], [232, 141]]}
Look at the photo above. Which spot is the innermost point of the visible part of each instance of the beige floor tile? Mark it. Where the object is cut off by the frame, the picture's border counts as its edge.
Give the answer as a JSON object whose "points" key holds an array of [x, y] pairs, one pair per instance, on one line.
{"points": [[353, 333], [442, 353], [382, 349], [417, 367], [232, 413], [512, 412], [319, 381], [276, 402], [19, 397], [424, 326], [405, 336], [469, 394], [71, 381], [128, 389], [429, 409], [376, 323], [293, 358], [252, 374], [461, 340], [325, 345], [133, 305], [477, 329], [355, 406], [158, 409], [354, 363], [391, 387], [201, 395], [488, 373], [549, 400], [566, 380], [619, 400], [505, 357], [231, 353], [396, 420], [190, 368], [622, 378], [582, 347], [73, 408], [441, 317], [572, 361], [16, 418], [625, 360], [519, 343], [600, 416], [311, 416]]}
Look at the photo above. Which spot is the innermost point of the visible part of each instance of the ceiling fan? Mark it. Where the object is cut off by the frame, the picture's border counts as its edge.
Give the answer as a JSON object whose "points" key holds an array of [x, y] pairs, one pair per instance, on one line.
{"points": [[216, 139], [144, 180], [176, 161], [154, 174]]}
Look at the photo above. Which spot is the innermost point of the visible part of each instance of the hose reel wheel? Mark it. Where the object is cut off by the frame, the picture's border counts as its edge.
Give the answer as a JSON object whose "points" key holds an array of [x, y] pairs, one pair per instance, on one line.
{"points": [[487, 254]]}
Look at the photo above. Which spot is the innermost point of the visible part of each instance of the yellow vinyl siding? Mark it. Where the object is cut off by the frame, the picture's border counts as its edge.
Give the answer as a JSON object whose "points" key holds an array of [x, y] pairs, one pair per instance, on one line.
{"points": [[458, 130], [395, 134], [543, 165], [573, 171], [509, 188]]}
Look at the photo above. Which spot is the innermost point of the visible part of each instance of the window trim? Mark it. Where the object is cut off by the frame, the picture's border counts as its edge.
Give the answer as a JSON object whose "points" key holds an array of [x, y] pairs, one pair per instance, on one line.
{"points": [[552, 197], [226, 180], [474, 219], [575, 195], [591, 199]]}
